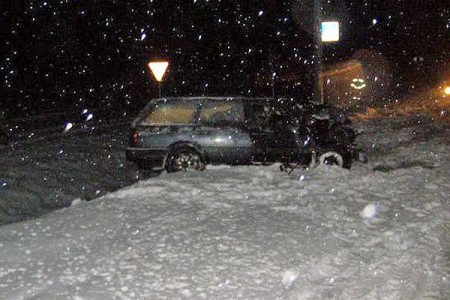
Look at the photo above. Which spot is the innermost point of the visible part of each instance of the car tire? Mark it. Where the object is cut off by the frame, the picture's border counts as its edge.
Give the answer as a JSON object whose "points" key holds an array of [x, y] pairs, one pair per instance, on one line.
{"points": [[335, 158], [185, 159]]}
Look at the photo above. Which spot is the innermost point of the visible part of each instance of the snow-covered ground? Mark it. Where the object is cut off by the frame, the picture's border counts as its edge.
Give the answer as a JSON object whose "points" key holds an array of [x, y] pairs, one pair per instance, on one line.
{"points": [[42, 170], [377, 231]]}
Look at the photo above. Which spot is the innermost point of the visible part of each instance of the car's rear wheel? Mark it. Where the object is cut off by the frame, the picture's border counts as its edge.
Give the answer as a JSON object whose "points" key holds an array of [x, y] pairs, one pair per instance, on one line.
{"points": [[185, 159]]}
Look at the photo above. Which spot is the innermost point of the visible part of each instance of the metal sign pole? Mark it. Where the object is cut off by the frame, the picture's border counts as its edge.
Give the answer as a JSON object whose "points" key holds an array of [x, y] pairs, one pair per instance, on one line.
{"points": [[318, 93]]}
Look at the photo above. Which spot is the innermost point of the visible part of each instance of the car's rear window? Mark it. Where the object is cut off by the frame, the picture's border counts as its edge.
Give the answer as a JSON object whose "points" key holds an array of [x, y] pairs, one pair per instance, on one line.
{"points": [[171, 111]]}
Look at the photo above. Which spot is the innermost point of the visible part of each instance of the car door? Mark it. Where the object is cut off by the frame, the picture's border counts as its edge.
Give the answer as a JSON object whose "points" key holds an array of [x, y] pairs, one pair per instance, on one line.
{"points": [[221, 133], [166, 122], [271, 138]]}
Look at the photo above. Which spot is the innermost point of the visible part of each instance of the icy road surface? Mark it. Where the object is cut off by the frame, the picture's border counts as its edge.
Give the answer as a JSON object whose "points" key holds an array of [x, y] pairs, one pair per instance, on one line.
{"points": [[377, 231]]}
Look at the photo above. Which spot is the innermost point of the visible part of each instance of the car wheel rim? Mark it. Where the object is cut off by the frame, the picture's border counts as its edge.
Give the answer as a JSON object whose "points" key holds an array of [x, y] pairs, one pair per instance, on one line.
{"points": [[186, 161], [331, 158]]}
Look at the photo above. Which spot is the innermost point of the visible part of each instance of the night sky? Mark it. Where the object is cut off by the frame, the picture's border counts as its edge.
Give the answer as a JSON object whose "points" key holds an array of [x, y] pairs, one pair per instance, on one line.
{"points": [[68, 55]]}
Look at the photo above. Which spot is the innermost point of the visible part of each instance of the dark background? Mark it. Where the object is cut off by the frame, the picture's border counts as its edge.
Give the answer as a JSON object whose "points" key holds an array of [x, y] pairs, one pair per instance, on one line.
{"points": [[70, 55]]}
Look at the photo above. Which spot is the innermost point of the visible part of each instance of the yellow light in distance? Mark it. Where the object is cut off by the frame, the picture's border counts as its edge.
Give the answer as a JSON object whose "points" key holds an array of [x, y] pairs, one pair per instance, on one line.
{"points": [[358, 84], [447, 90]]}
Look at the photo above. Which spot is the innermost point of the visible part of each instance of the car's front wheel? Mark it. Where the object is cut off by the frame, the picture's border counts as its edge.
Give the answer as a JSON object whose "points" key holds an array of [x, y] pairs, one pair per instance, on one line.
{"points": [[185, 159], [335, 158]]}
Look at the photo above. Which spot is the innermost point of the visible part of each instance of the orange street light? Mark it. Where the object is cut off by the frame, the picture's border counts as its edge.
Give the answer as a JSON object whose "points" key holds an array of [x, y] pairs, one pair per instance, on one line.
{"points": [[158, 69], [447, 90]]}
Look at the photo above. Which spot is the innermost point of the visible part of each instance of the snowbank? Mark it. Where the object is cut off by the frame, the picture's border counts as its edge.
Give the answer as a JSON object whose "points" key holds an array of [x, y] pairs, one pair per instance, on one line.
{"points": [[44, 172], [253, 232]]}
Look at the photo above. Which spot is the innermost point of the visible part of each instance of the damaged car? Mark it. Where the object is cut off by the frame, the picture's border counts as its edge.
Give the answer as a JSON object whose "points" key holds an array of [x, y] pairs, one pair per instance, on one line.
{"points": [[188, 133]]}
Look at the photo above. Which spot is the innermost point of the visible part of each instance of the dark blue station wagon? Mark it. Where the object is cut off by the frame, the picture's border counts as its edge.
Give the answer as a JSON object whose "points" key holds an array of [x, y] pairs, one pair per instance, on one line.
{"points": [[187, 133], [179, 134]]}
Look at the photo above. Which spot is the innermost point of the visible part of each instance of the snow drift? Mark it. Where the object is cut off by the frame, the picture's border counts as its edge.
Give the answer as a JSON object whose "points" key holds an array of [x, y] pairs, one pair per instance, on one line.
{"points": [[253, 232]]}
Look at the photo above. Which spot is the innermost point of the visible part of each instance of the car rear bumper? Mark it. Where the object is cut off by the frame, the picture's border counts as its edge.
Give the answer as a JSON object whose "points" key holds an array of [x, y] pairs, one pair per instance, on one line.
{"points": [[151, 158]]}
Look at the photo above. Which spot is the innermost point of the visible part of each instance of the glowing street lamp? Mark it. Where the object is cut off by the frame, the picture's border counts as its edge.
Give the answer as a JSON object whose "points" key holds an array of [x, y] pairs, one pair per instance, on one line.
{"points": [[330, 31], [447, 90], [326, 32], [158, 69]]}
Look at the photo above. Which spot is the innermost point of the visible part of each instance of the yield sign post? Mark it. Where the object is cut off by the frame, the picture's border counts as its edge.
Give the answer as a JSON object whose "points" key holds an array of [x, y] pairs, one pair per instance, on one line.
{"points": [[158, 69]]}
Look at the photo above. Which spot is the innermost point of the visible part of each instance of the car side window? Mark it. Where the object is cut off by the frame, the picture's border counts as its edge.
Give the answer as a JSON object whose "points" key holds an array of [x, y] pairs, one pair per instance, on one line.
{"points": [[260, 118], [221, 113], [171, 111]]}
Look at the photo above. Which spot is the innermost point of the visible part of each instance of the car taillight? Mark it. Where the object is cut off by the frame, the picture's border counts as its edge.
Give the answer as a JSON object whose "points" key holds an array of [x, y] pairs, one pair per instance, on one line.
{"points": [[134, 137]]}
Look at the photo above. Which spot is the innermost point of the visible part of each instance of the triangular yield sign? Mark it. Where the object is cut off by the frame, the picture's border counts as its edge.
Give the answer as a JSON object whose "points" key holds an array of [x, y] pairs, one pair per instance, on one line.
{"points": [[158, 69]]}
